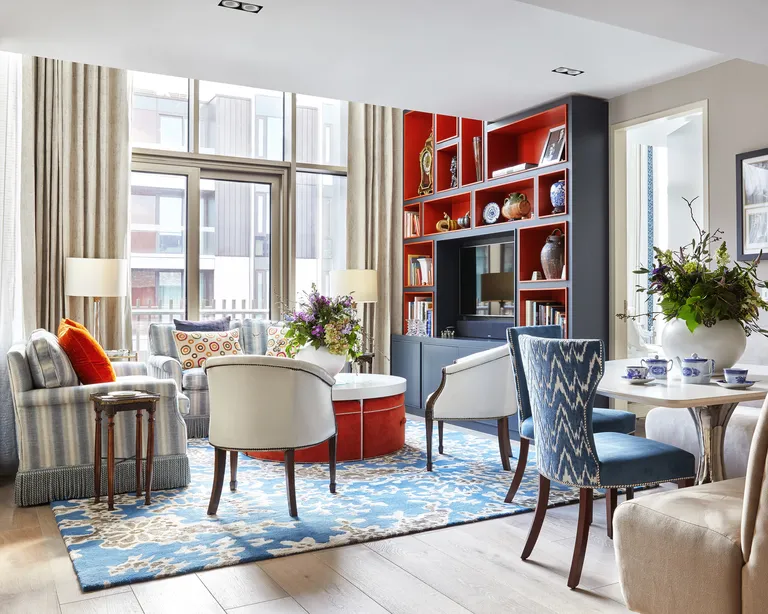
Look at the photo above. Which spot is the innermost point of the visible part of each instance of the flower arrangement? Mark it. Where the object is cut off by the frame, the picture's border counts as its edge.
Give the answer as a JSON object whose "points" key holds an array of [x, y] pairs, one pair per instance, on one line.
{"points": [[701, 294], [323, 321]]}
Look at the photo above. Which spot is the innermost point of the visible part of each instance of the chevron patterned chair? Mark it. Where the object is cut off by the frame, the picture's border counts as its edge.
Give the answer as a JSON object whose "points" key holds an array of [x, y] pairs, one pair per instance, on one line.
{"points": [[603, 420], [562, 378]]}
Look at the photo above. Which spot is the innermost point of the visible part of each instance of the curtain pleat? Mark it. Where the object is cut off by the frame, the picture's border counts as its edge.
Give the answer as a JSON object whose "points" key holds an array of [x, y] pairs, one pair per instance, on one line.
{"points": [[76, 131], [375, 217]]}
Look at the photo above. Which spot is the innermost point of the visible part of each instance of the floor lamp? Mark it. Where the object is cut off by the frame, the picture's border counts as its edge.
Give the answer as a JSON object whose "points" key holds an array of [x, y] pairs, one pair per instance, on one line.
{"points": [[97, 278], [362, 285]]}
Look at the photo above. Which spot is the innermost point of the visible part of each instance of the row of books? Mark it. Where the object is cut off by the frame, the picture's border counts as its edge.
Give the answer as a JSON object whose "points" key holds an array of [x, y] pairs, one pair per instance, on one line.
{"points": [[538, 313], [419, 270], [421, 309], [411, 225]]}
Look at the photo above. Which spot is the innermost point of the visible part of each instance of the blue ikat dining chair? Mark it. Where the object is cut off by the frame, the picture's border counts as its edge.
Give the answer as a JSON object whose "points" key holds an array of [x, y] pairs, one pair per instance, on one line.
{"points": [[562, 377]]}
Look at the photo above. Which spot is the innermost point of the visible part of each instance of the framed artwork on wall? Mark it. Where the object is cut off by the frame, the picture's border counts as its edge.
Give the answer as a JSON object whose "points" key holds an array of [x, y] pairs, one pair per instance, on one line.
{"points": [[752, 203]]}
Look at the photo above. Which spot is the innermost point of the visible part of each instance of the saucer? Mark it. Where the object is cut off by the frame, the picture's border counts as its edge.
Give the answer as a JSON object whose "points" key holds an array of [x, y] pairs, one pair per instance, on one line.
{"points": [[638, 381], [734, 386], [124, 393]]}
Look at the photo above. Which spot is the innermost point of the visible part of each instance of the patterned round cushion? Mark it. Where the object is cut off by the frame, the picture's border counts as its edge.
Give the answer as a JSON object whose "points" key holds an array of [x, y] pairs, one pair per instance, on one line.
{"points": [[276, 342], [196, 347]]}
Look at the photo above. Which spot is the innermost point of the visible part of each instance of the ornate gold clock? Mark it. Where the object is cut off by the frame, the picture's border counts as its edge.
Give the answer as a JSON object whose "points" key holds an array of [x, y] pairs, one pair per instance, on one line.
{"points": [[425, 162]]}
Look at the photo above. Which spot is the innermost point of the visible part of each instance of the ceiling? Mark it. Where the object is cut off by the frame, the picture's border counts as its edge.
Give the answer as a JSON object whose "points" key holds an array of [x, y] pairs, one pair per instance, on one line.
{"points": [[484, 59]]}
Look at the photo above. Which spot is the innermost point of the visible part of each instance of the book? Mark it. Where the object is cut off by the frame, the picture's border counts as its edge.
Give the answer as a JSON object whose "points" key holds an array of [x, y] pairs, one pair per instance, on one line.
{"points": [[411, 225], [512, 169]]}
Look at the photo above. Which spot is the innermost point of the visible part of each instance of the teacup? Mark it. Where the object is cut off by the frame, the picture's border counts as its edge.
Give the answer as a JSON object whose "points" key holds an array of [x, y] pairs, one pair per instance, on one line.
{"points": [[637, 372], [735, 376], [657, 367]]}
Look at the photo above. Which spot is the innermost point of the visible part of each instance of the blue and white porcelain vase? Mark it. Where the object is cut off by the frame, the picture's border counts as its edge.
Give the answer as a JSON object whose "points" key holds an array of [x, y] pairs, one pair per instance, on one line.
{"points": [[557, 196]]}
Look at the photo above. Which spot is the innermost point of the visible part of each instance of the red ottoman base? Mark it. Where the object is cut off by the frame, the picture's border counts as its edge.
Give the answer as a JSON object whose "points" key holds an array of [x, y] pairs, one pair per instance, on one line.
{"points": [[368, 428]]}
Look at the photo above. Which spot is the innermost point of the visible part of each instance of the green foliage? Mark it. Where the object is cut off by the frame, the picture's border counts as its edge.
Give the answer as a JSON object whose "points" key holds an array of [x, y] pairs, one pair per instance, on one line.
{"points": [[701, 289]]}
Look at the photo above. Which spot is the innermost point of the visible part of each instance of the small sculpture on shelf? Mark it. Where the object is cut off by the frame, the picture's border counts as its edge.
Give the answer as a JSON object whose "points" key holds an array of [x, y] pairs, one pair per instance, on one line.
{"points": [[516, 206], [446, 224], [425, 164], [454, 173], [557, 196], [464, 221], [553, 255]]}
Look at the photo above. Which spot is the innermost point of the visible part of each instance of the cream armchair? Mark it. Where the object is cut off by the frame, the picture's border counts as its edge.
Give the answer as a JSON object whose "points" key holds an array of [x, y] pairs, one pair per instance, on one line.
{"points": [[261, 403], [478, 387], [702, 549]]}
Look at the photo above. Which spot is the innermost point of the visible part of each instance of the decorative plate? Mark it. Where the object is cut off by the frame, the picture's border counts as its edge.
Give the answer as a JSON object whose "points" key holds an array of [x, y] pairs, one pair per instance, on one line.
{"points": [[491, 213], [734, 385]]}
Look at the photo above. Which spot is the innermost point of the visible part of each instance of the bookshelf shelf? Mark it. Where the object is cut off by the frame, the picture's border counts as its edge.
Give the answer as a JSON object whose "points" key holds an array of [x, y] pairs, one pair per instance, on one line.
{"points": [[531, 241], [434, 211], [446, 127], [417, 126], [412, 221], [443, 167], [497, 193]]}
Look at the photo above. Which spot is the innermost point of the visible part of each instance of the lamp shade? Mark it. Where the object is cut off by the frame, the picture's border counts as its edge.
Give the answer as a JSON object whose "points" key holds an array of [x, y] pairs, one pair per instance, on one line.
{"points": [[497, 287], [362, 284], [96, 277]]}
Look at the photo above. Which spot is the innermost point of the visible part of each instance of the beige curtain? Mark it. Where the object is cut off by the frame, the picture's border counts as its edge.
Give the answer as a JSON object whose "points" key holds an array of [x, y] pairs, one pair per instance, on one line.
{"points": [[75, 176], [375, 217]]}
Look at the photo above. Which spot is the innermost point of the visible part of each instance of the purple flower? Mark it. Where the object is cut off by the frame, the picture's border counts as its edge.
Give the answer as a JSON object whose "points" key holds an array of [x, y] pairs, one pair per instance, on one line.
{"points": [[348, 301], [306, 317], [318, 331], [289, 317], [346, 329]]}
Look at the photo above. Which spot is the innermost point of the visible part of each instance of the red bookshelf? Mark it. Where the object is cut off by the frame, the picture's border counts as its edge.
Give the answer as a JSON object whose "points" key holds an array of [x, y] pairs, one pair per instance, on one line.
{"points": [[531, 241], [469, 129], [409, 297], [544, 202], [434, 210], [446, 127], [417, 249], [553, 295], [523, 140], [410, 211], [417, 127], [443, 167], [497, 194]]}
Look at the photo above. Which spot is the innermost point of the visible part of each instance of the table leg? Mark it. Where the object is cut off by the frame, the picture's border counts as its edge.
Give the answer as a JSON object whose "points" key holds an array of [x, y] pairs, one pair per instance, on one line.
{"points": [[138, 452], [97, 457], [150, 454], [111, 461], [711, 423]]}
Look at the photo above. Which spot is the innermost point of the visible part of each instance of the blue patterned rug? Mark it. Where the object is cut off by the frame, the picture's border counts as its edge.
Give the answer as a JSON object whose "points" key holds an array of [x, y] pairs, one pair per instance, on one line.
{"points": [[383, 497]]}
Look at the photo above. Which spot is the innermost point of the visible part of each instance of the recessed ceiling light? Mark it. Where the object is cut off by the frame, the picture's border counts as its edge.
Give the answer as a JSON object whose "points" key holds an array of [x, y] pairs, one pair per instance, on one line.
{"points": [[571, 72], [248, 7], [230, 4], [251, 8]]}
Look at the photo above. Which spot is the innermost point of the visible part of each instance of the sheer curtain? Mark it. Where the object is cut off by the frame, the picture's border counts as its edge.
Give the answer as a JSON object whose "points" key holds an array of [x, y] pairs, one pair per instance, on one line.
{"points": [[10, 245]]}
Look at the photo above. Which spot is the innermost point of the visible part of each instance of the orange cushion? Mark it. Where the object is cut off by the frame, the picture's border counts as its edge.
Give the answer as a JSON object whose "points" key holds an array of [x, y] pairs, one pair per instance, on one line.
{"points": [[86, 355], [67, 322]]}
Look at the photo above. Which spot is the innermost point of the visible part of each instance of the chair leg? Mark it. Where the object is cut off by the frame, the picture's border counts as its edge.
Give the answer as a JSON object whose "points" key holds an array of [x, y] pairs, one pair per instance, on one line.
{"points": [[290, 482], [630, 493], [428, 422], [439, 436], [502, 428], [686, 483], [332, 462], [611, 500], [538, 517], [219, 467], [233, 470], [582, 537], [522, 463]]}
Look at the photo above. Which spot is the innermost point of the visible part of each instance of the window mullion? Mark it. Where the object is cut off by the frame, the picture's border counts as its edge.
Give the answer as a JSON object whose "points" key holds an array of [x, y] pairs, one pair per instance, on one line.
{"points": [[193, 245], [194, 110]]}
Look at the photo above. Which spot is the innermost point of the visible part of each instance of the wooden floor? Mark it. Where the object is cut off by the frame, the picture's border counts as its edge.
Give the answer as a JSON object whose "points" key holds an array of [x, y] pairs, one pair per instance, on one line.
{"points": [[470, 568]]}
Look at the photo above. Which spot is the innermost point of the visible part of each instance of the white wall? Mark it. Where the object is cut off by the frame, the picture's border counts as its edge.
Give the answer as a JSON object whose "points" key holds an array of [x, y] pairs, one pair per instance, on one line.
{"points": [[737, 92]]}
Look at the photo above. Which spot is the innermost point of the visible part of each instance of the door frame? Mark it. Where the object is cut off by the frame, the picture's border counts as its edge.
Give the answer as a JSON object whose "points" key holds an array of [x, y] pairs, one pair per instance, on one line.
{"points": [[618, 271]]}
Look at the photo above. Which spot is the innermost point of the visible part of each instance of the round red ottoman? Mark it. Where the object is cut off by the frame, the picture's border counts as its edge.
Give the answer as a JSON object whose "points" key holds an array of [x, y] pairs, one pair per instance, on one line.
{"points": [[370, 418]]}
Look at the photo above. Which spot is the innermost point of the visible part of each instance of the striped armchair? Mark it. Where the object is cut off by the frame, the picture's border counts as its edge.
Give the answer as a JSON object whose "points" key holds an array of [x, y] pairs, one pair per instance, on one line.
{"points": [[55, 434], [164, 363]]}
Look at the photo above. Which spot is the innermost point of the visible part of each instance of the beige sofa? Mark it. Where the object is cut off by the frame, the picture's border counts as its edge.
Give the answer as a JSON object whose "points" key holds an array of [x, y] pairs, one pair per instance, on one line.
{"points": [[702, 549]]}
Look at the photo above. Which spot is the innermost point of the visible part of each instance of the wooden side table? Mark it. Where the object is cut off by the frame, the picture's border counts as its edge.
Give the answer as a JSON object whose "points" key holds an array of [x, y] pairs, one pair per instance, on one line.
{"points": [[112, 405]]}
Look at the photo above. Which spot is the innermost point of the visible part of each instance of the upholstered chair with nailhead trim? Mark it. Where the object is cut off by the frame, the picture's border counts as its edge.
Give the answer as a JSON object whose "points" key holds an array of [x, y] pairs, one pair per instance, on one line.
{"points": [[562, 377]]}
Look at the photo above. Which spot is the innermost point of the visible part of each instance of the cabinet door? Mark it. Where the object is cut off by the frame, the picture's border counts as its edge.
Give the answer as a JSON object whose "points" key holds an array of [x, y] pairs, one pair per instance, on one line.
{"points": [[433, 359], [406, 362]]}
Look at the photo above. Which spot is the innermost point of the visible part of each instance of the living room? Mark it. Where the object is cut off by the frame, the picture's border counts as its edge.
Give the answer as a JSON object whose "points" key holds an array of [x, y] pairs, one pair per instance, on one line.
{"points": [[300, 316]]}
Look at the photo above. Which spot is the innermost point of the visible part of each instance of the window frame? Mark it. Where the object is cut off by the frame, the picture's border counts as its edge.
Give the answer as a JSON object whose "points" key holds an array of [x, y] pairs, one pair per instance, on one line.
{"points": [[279, 174]]}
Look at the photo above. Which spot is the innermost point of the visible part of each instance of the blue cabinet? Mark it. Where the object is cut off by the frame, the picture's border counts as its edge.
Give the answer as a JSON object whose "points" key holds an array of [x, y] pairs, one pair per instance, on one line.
{"points": [[406, 362]]}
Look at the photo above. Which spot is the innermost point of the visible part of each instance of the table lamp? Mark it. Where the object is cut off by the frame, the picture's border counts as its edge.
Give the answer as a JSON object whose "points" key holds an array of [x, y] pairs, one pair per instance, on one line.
{"points": [[97, 278], [497, 287], [362, 285]]}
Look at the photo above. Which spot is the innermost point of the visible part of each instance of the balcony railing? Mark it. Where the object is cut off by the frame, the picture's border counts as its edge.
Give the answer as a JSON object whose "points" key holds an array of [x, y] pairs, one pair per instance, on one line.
{"points": [[143, 316]]}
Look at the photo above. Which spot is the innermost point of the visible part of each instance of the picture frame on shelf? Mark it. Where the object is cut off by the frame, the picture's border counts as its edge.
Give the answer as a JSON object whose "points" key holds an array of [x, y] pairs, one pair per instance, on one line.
{"points": [[553, 147], [752, 203]]}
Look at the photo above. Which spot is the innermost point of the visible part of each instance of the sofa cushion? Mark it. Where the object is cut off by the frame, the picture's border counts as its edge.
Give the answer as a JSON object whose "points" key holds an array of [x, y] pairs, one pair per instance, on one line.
{"points": [[603, 421], [195, 348], [194, 379], [276, 342], [48, 362], [680, 551], [88, 358], [191, 326]]}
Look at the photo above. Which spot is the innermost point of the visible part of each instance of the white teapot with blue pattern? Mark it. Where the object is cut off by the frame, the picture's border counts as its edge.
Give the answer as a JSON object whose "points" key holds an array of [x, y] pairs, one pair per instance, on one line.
{"points": [[657, 367], [696, 370]]}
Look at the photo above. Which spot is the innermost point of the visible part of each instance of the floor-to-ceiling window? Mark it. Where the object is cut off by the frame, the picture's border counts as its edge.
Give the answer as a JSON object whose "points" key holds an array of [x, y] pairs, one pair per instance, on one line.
{"points": [[238, 199]]}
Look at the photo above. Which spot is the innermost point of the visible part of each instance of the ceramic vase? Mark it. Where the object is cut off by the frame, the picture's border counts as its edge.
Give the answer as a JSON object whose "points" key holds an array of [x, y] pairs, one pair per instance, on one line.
{"points": [[724, 342], [557, 196], [553, 255], [516, 206], [477, 149], [332, 363]]}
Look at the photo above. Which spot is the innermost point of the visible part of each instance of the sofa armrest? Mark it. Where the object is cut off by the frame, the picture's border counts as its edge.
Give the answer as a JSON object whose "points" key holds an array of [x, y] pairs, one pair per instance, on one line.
{"points": [[478, 387], [165, 367], [123, 368]]}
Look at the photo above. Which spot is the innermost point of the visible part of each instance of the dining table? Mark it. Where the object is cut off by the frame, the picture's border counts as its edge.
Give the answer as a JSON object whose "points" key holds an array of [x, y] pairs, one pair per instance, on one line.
{"points": [[709, 405]]}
